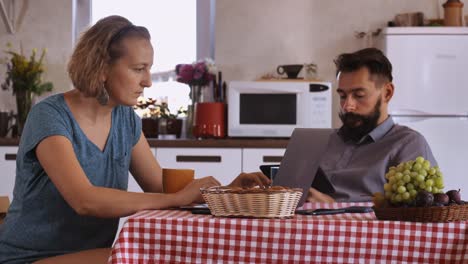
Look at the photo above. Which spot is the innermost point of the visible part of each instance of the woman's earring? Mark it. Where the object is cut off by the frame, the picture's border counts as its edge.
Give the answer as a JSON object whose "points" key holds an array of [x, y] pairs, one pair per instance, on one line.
{"points": [[103, 97]]}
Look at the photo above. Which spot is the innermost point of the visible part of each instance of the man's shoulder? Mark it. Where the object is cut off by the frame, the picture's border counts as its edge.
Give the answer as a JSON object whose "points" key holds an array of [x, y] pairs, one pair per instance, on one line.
{"points": [[400, 132]]}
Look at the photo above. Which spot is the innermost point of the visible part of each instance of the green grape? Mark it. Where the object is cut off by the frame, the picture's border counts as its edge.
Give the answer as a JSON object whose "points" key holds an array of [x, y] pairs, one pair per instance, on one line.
{"points": [[429, 182], [439, 183], [406, 196], [398, 198], [417, 167], [401, 189], [427, 165], [406, 178], [420, 178], [398, 175], [420, 160]]}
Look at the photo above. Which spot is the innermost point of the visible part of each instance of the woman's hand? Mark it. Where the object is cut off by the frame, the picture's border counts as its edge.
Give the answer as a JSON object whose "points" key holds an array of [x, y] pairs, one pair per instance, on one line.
{"points": [[248, 180], [191, 193], [315, 196]]}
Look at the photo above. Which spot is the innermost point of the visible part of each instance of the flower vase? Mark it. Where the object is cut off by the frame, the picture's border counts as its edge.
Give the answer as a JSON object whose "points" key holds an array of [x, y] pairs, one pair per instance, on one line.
{"points": [[23, 104], [195, 97]]}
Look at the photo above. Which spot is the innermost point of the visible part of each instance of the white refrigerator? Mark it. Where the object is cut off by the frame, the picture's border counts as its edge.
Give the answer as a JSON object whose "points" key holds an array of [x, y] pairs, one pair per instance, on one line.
{"points": [[430, 70]]}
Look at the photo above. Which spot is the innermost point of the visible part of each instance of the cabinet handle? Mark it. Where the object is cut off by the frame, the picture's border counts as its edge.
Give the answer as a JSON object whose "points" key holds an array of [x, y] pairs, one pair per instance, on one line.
{"points": [[183, 158], [10, 156], [272, 158]]}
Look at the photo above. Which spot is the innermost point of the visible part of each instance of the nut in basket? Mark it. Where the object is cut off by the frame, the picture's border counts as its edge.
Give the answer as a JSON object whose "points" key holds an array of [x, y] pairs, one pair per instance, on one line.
{"points": [[273, 202]]}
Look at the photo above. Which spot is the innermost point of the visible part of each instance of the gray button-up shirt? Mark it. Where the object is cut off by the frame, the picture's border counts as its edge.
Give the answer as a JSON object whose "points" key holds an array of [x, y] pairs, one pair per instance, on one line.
{"points": [[357, 170]]}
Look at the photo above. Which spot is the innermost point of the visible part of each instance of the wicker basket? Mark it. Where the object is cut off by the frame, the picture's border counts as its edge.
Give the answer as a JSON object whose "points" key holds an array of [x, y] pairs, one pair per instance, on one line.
{"points": [[275, 202], [424, 214]]}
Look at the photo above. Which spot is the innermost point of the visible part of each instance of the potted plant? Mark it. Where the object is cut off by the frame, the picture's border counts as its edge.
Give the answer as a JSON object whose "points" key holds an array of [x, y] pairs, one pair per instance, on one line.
{"points": [[170, 123], [157, 118], [148, 111], [24, 78]]}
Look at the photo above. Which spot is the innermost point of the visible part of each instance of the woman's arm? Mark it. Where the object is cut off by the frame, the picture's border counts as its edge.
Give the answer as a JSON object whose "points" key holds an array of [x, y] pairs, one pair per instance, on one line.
{"points": [[145, 168], [57, 157]]}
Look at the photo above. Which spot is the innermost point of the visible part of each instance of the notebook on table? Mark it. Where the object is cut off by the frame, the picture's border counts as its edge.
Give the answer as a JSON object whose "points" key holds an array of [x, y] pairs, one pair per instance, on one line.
{"points": [[300, 163]]}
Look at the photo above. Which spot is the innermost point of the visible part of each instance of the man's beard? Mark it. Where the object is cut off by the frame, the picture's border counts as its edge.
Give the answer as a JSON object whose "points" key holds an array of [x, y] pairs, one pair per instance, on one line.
{"points": [[367, 123]]}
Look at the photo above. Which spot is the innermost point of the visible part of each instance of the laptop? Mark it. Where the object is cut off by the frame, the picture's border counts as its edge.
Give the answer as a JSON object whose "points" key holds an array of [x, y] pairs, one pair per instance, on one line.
{"points": [[300, 163]]}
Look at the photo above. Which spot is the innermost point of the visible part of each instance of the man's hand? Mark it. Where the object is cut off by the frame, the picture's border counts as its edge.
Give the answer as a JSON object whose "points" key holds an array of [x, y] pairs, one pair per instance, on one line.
{"points": [[315, 196], [248, 180]]}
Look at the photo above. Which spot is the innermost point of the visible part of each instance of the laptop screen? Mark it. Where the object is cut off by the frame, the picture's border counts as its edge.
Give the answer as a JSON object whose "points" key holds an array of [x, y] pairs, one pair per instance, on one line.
{"points": [[301, 161]]}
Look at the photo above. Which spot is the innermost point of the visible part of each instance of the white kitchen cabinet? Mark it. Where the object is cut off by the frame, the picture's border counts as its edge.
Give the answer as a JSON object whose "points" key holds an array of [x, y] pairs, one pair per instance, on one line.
{"points": [[222, 163], [253, 158], [8, 169]]}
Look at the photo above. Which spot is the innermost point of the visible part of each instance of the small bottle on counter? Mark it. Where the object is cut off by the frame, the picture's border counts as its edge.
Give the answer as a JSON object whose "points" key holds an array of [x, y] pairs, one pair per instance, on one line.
{"points": [[453, 13]]}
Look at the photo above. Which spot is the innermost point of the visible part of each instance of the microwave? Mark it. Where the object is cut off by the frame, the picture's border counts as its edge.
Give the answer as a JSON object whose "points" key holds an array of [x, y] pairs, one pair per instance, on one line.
{"points": [[275, 108]]}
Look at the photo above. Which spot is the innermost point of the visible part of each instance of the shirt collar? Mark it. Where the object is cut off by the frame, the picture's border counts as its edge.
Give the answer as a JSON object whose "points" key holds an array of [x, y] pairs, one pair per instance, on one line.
{"points": [[377, 133], [381, 129]]}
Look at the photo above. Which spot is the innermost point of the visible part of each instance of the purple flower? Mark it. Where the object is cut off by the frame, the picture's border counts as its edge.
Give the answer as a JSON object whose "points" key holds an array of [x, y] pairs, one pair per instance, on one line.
{"points": [[199, 71], [184, 73], [195, 74]]}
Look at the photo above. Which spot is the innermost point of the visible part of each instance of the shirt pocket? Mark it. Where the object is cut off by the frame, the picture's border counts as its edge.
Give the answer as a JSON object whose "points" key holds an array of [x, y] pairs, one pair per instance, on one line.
{"points": [[120, 167]]}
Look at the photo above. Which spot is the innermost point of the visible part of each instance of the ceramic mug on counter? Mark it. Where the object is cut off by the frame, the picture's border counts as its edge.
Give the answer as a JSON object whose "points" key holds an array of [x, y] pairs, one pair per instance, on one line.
{"points": [[174, 180], [291, 70]]}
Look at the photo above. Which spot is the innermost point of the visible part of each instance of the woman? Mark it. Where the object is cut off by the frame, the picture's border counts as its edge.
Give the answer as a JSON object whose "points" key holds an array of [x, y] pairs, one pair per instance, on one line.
{"points": [[76, 151]]}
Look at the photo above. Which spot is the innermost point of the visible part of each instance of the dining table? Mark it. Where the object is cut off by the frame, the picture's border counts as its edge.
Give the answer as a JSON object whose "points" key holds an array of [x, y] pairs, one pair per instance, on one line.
{"points": [[179, 236]]}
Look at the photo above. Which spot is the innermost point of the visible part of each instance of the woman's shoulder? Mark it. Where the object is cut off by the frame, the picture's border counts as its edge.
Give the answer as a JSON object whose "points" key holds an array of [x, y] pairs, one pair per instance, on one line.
{"points": [[49, 110], [54, 102]]}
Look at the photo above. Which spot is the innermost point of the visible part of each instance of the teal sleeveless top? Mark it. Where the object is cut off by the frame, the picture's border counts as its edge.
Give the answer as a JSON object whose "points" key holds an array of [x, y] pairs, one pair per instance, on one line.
{"points": [[39, 222]]}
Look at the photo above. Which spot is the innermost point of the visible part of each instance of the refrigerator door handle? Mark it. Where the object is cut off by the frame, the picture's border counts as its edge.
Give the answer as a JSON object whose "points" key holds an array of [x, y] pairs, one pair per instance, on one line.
{"points": [[413, 119], [413, 112]]}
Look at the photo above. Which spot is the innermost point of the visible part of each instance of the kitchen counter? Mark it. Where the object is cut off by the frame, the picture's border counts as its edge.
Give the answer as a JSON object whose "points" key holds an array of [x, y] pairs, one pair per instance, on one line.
{"points": [[195, 143]]}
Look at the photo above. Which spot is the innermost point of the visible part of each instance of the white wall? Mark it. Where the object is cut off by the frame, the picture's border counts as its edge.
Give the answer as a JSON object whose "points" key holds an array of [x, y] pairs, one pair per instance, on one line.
{"points": [[253, 37], [43, 24]]}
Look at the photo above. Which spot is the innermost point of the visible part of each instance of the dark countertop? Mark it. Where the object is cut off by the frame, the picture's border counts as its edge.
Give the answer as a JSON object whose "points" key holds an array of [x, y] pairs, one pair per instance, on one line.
{"points": [[194, 143]]}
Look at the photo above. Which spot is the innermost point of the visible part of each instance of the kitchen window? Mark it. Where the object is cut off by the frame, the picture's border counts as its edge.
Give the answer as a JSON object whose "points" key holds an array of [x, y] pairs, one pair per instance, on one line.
{"points": [[181, 32]]}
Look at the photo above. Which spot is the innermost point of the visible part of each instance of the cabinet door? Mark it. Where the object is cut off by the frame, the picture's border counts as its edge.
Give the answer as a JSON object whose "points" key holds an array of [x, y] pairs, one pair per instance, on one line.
{"points": [[222, 163], [253, 158], [8, 169]]}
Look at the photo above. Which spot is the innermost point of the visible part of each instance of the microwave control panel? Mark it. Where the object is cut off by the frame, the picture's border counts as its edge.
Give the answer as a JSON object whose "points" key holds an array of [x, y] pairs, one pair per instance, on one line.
{"points": [[320, 106]]}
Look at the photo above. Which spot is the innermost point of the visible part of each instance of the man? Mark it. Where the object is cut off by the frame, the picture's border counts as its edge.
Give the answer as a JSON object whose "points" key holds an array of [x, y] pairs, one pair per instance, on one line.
{"points": [[369, 142]]}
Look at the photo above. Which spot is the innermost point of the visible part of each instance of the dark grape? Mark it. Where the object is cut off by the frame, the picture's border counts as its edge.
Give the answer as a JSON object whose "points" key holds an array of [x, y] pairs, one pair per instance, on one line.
{"points": [[454, 195], [424, 198], [441, 198]]}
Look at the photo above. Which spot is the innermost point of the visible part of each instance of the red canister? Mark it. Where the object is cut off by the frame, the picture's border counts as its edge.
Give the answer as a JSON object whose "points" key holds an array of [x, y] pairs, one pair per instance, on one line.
{"points": [[210, 120]]}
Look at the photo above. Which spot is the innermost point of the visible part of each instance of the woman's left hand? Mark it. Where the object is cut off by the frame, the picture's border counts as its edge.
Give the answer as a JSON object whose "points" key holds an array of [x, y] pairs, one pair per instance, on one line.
{"points": [[248, 180]]}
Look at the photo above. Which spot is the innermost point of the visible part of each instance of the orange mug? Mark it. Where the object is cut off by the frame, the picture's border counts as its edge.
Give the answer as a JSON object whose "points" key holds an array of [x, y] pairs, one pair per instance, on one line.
{"points": [[210, 120], [174, 180]]}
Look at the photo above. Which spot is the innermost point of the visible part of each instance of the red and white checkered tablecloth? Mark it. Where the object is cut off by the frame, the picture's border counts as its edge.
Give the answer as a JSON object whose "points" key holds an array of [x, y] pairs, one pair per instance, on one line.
{"points": [[173, 236]]}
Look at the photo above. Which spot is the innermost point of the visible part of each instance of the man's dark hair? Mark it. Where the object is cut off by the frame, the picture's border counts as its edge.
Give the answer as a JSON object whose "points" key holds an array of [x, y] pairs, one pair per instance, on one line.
{"points": [[373, 59]]}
